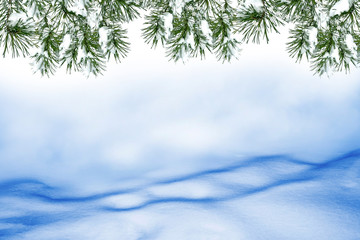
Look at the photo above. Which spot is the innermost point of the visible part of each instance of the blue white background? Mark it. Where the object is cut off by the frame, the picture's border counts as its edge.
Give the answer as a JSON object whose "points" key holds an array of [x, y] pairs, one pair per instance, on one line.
{"points": [[256, 149]]}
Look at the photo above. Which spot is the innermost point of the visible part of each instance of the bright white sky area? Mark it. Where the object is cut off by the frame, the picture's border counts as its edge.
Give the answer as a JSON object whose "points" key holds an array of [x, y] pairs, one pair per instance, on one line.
{"points": [[148, 119]]}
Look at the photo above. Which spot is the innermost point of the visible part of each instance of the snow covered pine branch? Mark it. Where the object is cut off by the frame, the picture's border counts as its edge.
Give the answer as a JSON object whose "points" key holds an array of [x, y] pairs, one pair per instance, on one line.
{"points": [[84, 34]]}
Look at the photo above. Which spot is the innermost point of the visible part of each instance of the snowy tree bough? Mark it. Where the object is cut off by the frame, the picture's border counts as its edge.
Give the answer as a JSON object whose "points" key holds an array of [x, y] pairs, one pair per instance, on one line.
{"points": [[84, 34]]}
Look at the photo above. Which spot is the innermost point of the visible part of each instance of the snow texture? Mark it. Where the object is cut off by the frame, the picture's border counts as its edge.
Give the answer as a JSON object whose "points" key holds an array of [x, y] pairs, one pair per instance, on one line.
{"points": [[322, 17], [104, 34], [339, 7], [257, 4], [349, 40], [312, 32], [267, 197], [66, 42], [79, 8], [168, 25], [16, 17], [177, 6], [206, 30]]}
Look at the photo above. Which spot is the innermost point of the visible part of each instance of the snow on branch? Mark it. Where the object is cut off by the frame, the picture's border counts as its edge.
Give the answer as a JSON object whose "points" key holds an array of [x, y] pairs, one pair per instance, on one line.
{"points": [[84, 34]]}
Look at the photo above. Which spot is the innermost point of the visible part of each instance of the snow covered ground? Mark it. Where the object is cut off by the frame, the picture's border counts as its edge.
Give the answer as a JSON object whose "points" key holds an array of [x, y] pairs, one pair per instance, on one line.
{"points": [[270, 197]]}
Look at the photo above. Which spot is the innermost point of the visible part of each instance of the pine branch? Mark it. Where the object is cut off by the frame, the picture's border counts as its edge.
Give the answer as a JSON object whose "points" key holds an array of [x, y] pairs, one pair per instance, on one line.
{"points": [[84, 35]]}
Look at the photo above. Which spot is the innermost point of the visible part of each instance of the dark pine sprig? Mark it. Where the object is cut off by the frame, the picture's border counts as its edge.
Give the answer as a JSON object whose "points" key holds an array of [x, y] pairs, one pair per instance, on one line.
{"points": [[83, 35], [256, 23]]}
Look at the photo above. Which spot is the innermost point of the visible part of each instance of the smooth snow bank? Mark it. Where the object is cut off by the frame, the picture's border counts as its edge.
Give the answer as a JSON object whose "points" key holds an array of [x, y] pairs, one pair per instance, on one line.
{"points": [[268, 197]]}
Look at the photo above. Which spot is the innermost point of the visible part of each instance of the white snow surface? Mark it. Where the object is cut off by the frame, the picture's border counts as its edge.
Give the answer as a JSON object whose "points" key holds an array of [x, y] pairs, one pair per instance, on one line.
{"points": [[154, 156], [15, 17], [65, 44], [257, 4], [206, 29], [294, 200], [340, 6], [79, 7], [104, 35], [177, 6], [168, 25], [312, 36], [349, 40]]}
